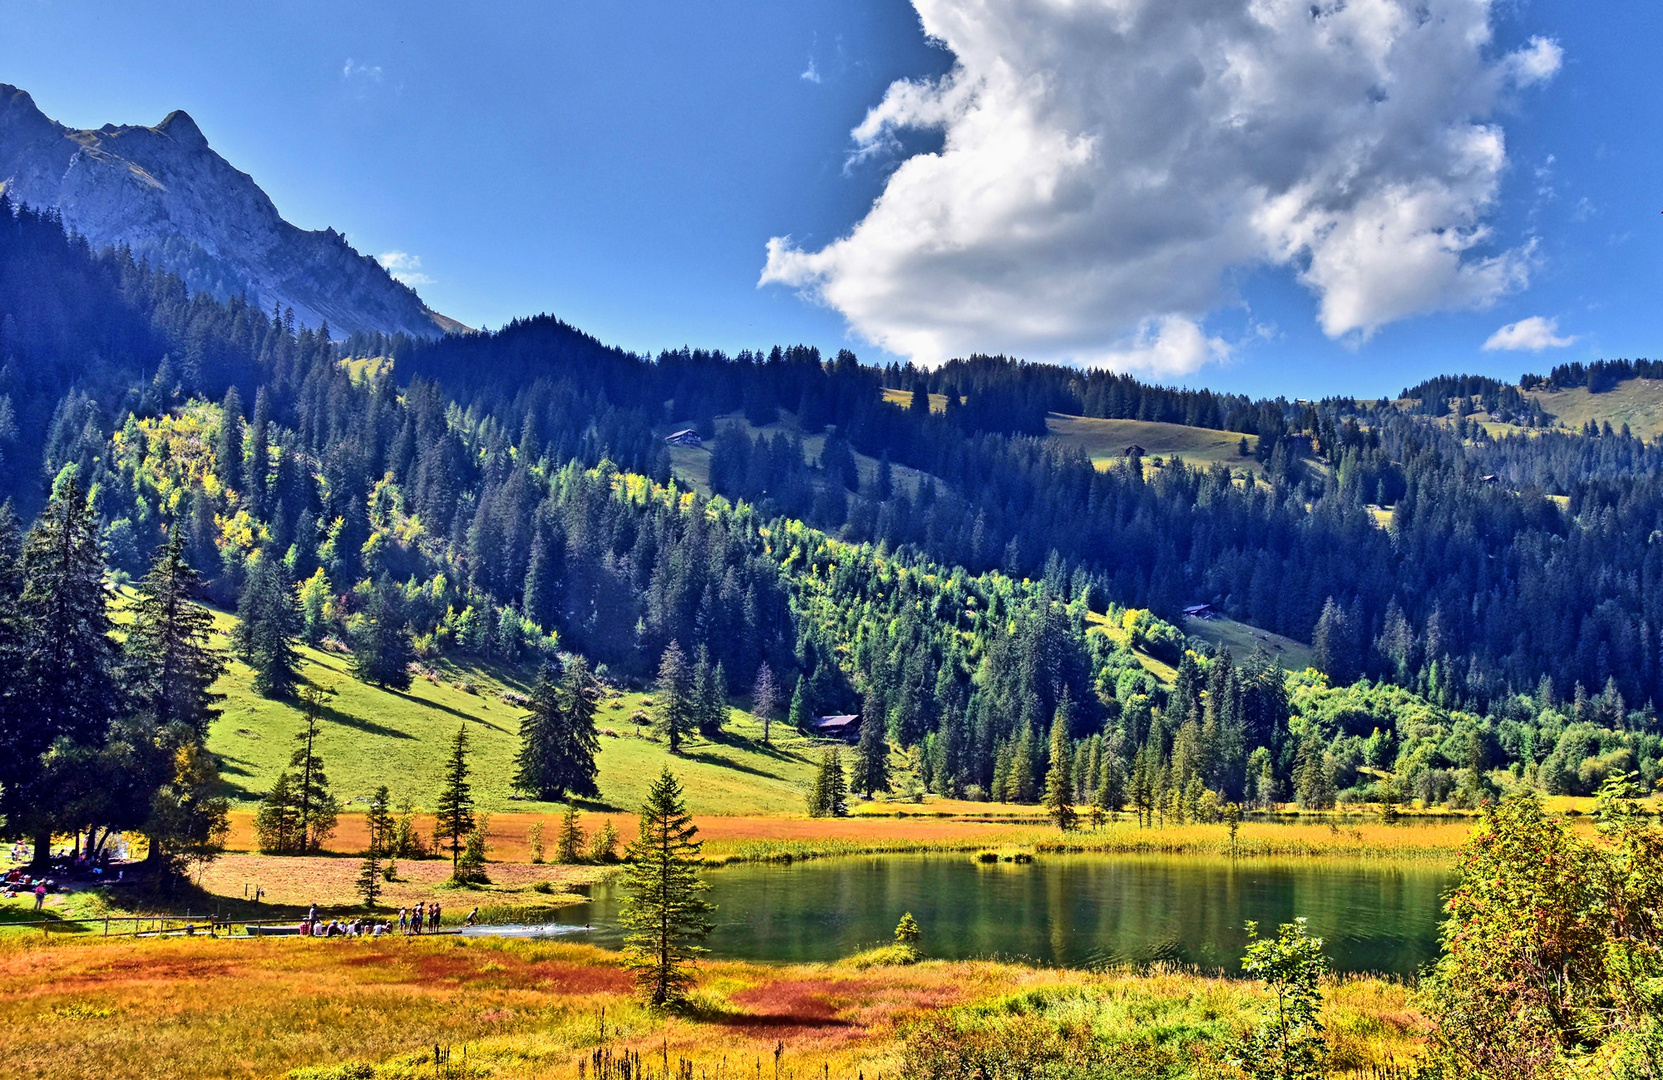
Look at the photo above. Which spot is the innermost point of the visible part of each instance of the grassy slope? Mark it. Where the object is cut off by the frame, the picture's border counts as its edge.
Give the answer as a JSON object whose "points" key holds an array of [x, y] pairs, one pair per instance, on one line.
{"points": [[1636, 402], [1241, 639], [373, 736], [691, 465], [1105, 440]]}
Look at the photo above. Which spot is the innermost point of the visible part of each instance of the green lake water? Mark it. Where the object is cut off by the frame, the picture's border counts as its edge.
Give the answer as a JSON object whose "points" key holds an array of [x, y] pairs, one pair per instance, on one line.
{"points": [[1077, 911]]}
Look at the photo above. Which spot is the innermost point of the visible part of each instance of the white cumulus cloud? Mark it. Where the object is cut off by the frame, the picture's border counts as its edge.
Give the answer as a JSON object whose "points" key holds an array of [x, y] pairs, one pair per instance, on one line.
{"points": [[1106, 164], [405, 267], [364, 72], [1532, 335], [811, 73]]}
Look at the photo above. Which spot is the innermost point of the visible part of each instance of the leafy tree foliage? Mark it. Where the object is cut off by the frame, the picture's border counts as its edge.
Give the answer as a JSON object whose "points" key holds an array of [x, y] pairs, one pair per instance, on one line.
{"points": [[381, 649], [1288, 1043]]}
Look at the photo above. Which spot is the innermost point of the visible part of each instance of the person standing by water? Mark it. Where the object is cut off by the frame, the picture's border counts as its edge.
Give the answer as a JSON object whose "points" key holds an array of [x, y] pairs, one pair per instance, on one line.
{"points": [[433, 917], [403, 921], [417, 918]]}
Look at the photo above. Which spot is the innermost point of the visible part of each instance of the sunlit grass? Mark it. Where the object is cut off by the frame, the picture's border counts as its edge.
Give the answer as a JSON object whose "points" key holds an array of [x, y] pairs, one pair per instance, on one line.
{"points": [[188, 1008]]}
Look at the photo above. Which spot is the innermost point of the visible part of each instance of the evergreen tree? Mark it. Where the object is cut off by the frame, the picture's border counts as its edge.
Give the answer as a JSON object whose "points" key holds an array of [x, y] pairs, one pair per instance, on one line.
{"points": [[1313, 779], [381, 648], [316, 809], [829, 797], [169, 661], [710, 701], [268, 622], [70, 659], [765, 699], [455, 818], [228, 447], [800, 716], [16, 730], [569, 843], [664, 912], [277, 821], [379, 824], [673, 703], [558, 742], [1059, 781], [871, 757]]}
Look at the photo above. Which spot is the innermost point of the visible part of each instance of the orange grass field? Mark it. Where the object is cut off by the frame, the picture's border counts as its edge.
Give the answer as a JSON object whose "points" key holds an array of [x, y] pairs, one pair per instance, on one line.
{"points": [[357, 1009], [760, 838]]}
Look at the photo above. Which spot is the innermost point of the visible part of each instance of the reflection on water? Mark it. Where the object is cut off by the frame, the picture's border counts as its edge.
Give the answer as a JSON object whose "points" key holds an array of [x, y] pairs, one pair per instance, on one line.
{"points": [[1078, 911]]}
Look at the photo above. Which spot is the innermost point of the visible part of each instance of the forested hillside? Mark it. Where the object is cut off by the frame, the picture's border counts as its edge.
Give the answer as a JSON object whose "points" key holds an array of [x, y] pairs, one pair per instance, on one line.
{"points": [[509, 497]]}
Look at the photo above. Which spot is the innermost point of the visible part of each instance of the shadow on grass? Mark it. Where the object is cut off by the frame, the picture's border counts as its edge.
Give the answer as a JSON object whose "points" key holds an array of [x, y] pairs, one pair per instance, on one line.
{"points": [[754, 746], [458, 713], [728, 763]]}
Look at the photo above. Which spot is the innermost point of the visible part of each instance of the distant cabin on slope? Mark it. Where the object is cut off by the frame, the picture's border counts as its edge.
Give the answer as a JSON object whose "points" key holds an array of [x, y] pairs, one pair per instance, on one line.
{"points": [[845, 727], [1135, 451], [1200, 611], [684, 437]]}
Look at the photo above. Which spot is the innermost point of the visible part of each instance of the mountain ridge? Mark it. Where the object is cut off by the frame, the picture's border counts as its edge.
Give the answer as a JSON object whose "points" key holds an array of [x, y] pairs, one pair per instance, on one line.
{"points": [[165, 193]]}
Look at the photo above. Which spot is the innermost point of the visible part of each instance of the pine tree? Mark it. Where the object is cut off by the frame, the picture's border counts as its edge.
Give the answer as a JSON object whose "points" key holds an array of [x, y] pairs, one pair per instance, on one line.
{"points": [[316, 809], [70, 659], [765, 699], [710, 702], [169, 662], [664, 911], [277, 821], [1059, 780], [829, 797], [673, 703], [381, 648], [799, 716], [16, 729], [569, 844], [871, 757], [228, 446], [379, 823], [269, 621], [558, 742], [455, 819], [1022, 786]]}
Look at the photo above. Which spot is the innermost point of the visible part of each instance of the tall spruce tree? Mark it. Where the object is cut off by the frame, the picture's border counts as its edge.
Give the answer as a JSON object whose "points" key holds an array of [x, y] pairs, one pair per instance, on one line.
{"points": [[381, 649], [664, 912], [871, 757], [558, 741], [1059, 779], [70, 659], [674, 711], [379, 824], [829, 797], [169, 661], [455, 819], [277, 819], [269, 621], [316, 809], [765, 700], [17, 764]]}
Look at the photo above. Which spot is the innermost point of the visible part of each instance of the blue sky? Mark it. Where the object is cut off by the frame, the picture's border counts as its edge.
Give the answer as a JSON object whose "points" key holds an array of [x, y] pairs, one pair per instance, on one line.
{"points": [[626, 165]]}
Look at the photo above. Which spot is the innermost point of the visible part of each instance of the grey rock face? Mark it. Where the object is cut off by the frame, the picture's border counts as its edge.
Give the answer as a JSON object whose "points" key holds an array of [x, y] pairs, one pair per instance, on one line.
{"points": [[166, 194]]}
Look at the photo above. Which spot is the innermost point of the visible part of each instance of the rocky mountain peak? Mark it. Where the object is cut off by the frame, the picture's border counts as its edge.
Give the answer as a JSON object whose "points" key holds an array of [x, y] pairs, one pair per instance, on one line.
{"points": [[166, 194]]}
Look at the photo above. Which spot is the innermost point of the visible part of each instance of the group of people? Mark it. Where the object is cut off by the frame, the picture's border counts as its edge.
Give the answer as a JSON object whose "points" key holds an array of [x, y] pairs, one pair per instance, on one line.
{"points": [[411, 921], [423, 918], [18, 882]]}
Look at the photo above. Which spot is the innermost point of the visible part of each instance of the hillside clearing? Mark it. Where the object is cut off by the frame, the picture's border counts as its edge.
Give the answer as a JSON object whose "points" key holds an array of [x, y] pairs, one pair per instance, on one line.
{"points": [[1105, 441], [374, 736], [1241, 639], [1635, 402]]}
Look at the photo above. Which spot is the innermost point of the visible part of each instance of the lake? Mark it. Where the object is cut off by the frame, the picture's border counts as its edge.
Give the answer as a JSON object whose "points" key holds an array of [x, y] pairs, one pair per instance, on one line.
{"points": [[1069, 910]]}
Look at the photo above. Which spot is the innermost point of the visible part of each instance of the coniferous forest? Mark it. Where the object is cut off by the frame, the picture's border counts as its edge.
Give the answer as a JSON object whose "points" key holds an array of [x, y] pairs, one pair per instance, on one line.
{"points": [[987, 595]]}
